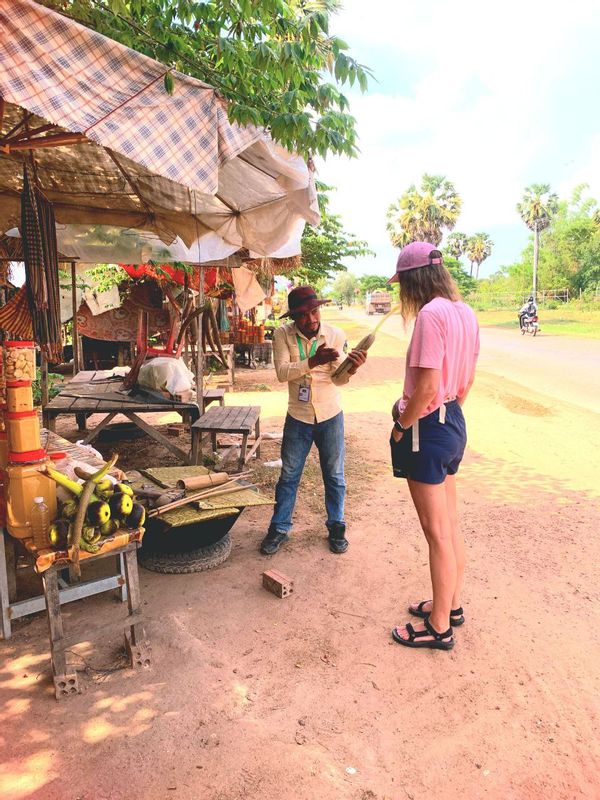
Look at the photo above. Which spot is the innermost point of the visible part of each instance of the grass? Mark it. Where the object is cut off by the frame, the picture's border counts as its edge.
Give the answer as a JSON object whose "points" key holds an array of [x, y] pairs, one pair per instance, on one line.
{"points": [[560, 322]]}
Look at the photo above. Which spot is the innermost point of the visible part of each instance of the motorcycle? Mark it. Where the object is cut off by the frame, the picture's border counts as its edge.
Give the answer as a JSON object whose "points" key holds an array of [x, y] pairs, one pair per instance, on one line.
{"points": [[530, 325]]}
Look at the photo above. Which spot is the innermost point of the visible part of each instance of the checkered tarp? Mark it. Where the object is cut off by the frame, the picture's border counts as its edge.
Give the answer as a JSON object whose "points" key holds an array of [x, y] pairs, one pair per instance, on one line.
{"points": [[86, 83], [170, 164]]}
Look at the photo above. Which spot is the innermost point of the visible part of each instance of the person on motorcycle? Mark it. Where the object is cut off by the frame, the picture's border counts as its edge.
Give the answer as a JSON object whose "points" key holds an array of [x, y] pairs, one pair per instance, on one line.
{"points": [[528, 309]]}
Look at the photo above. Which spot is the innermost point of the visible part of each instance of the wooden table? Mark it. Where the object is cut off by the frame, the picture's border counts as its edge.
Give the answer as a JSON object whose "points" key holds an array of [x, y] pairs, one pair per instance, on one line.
{"points": [[240, 420], [94, 393]]}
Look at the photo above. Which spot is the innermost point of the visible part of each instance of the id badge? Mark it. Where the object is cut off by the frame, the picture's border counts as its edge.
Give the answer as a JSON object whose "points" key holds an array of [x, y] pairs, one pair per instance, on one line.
{"points": [[304, 394]]}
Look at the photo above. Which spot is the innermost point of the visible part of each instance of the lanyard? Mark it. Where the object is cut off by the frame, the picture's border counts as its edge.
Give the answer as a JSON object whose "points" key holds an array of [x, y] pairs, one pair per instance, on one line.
{"points": [[313, 348]]}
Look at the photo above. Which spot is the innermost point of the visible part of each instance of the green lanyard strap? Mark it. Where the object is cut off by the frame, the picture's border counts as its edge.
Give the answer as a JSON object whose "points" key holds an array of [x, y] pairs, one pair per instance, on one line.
{"points": [[313, 348]]}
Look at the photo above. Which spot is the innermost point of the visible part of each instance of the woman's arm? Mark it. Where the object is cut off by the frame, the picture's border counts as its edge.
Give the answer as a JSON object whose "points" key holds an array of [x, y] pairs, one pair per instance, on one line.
{"points": [[427, 385]]}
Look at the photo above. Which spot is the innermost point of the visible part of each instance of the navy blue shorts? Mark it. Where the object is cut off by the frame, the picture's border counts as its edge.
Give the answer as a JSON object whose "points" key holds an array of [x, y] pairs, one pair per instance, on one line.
{"points": [[441, 447]]}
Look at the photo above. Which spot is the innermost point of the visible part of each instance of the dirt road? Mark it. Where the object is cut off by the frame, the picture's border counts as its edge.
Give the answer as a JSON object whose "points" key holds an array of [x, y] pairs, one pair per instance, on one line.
{"points": [[254, 697]]}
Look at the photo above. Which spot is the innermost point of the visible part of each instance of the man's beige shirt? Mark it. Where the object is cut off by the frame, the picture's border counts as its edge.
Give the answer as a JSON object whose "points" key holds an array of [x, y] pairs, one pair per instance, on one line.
{"points": [[324, 397]]}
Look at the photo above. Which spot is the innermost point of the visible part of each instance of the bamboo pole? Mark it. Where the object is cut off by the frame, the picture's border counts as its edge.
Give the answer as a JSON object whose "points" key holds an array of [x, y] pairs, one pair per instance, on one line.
{"points": [[199, 350], [44, 371], [75, 309], [226, 488]]}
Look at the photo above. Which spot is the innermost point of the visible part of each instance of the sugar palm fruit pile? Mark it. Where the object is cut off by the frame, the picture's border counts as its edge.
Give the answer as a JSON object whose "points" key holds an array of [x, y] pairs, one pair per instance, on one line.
{"points": [[96, 509]]}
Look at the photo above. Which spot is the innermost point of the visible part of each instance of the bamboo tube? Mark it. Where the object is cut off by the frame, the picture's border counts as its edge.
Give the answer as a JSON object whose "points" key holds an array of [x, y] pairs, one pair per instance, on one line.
{"points": [[203, 481]]}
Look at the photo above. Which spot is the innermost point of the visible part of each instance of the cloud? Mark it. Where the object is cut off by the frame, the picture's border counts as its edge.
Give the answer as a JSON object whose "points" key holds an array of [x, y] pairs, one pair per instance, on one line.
{"points": [[475, 99]]}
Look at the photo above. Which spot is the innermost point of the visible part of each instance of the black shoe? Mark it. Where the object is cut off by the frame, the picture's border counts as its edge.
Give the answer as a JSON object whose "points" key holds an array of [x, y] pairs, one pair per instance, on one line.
{"points": [[272, 542], [338, 543]]}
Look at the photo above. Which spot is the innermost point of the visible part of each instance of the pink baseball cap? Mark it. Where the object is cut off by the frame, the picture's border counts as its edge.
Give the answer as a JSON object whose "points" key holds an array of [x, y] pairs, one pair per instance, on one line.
{"points": [[416, 254]]}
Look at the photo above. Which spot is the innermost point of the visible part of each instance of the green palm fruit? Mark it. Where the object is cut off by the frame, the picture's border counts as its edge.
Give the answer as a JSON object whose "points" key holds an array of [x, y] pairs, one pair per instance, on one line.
{"points": [[137, 517], [125, 488], [69, 509], [120, 504], [109, 527], [58, 534], [98, 513], [105, 485]]}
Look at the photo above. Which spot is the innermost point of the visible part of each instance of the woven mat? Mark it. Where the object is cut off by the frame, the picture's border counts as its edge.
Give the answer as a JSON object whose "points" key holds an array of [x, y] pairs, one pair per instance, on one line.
{"points": [[167, 477]]}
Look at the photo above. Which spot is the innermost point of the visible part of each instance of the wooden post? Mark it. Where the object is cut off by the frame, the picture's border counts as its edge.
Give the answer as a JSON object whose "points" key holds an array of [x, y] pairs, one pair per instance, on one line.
{"points": [[75, 309], [199, 350], [44, 382]]}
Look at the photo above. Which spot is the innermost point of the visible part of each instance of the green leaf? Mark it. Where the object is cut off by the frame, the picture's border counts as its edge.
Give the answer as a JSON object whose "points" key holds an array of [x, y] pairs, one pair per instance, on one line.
{"points": [[169, 83]]}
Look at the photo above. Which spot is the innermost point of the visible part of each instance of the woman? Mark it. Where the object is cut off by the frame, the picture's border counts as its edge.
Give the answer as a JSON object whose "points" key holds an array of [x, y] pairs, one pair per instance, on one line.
{"points": [[429, 435]]}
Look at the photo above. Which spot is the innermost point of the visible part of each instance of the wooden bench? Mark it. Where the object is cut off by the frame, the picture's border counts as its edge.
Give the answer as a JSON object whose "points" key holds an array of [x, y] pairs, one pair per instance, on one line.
{"points": [[240, 420], [213, 396]]}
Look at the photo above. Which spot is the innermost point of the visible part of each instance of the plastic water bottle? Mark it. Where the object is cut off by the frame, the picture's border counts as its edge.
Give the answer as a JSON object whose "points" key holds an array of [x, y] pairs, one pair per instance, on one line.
{"points": [[40, 523]]}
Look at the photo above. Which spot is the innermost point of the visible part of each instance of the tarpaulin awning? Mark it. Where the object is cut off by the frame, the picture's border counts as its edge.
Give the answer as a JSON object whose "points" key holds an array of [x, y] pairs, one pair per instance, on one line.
{"points": [[171, 164]]}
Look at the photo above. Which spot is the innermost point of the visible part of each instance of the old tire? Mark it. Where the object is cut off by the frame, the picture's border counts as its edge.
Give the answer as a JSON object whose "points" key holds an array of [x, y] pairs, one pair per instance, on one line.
{"points": [[198, 560]]}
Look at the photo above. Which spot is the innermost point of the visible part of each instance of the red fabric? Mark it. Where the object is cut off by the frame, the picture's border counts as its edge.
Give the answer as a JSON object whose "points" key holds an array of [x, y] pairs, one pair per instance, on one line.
{"points": [[176, 275]]}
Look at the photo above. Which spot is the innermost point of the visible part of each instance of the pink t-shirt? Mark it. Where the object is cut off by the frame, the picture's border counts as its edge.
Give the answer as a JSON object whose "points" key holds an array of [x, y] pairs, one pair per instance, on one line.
{"points": [[446, 337]]}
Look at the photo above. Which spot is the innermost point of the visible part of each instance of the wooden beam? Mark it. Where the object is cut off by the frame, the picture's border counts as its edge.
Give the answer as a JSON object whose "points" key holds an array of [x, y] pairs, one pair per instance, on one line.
{"points": [[57, 140], [75, 309]]}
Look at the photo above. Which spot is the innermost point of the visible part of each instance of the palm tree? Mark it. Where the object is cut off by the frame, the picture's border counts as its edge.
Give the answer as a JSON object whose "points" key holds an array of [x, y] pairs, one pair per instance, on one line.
{"points": [[422, 214], [537, 208], [479, 247], [457, 244]]}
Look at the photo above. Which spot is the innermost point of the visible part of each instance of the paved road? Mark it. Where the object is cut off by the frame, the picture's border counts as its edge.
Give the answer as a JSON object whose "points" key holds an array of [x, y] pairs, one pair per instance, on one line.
{"points": [[562, 368]]}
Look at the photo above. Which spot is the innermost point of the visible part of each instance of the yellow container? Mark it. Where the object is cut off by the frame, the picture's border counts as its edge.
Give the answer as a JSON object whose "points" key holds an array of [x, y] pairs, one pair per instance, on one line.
{"points": [[23, 483], [23, 430], [19, 361], [19, 396]]}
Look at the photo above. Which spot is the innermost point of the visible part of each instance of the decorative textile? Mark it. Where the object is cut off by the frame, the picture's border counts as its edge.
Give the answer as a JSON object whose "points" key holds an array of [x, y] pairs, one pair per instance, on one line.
{"points": [[165, 163], [38, 232], [120, 324], [15, 316]]}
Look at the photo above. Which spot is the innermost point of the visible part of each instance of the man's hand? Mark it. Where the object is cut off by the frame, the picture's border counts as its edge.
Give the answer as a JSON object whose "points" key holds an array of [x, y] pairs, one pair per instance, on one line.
{"points": [[358, 358], [324, 355]]}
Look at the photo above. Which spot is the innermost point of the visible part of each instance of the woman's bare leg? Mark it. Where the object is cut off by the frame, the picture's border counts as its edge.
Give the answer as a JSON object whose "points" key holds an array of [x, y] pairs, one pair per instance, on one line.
{"points": [[458, 540], [432, 507]]}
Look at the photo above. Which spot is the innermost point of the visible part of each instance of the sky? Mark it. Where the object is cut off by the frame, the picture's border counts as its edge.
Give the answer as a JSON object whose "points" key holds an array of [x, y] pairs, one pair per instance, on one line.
{"points": [[495, 96]]}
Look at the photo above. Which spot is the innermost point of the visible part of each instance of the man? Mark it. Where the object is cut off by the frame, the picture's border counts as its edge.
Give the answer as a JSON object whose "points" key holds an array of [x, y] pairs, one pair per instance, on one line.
{"points": [[306, 353], [528, 309]]}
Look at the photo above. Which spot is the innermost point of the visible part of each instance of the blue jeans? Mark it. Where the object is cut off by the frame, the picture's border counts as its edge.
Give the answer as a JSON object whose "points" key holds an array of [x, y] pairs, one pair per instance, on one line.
{"points": [[298, 438]]}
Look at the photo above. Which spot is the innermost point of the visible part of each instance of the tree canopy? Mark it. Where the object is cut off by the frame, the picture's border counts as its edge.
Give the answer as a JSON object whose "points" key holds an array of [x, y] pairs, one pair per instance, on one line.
{"points": [[456, 244], [345, 288], [479, 247], [569, 255], [269, 58], [424, 213], [538, 206]]}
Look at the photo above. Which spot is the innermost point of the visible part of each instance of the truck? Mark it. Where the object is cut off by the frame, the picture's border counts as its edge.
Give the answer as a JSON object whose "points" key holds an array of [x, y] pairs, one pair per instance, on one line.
{"points": [[378, 302]]}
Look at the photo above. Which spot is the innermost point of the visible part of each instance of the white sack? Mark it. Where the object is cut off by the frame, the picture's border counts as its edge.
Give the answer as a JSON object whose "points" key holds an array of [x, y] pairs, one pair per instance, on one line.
{"points": [[166, 374]]}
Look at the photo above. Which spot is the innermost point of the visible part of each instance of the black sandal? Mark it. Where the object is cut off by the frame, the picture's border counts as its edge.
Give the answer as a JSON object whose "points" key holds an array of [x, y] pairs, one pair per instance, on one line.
{"points": [[437, 643], [456, 614]]}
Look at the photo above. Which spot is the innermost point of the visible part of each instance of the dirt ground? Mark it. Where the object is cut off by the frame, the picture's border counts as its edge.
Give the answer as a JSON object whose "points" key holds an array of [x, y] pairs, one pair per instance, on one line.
{"points": [[308, 697]]}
